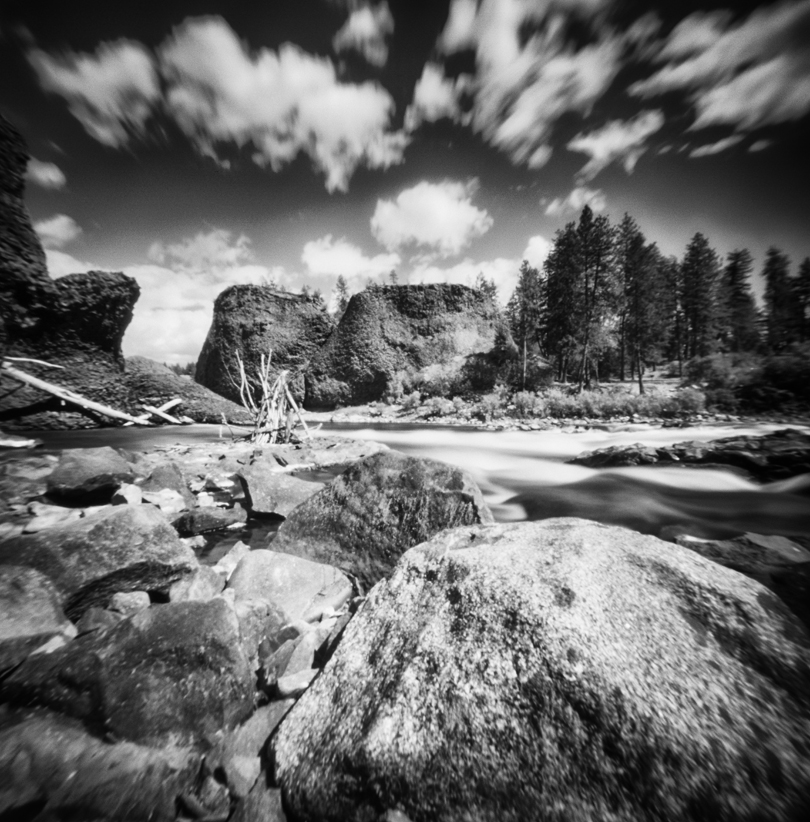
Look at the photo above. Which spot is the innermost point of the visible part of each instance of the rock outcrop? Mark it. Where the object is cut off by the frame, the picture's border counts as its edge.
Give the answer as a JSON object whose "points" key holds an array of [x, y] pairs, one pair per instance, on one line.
{"points": [[252, 321], [393, 332], [561, 670]]}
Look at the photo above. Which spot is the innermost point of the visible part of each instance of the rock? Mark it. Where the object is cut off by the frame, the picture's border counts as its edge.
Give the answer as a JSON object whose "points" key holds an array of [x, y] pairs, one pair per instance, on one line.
{"points": [[274, 492], [98, 619], [54, 769], [129, 603], [30, 614], [390, 331], [173, 674], [23, 479], [262, 804], [202, 520], [126, 548], [328, 600], [258, 620], [319, 452], [291, 686], [227, 564], [168, 475], [154, 384], [127, 494], [200, 586], [378, 508], [88, 475], [288, 582], [47, 516], [169, 501], [556, 670], [251, 320]]}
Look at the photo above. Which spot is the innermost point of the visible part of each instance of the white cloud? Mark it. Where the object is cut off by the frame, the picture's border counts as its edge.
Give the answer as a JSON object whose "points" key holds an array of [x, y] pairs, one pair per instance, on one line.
{"points": [[459, 30], [749, 74], [537, 250], [60, 263], [439, 217], [365, 32], [434, 97], [502, 271], [111, 92], [716, 148], [45, 175], [616, 141], [760, 145], [282, 103], [57, 231], [577, 200], [328, 258]]}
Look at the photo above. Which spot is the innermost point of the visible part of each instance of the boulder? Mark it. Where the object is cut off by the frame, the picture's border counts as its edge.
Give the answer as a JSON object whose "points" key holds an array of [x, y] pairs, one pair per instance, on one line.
{"points": [[366, 518], [54, 769], [288, 582], [391, 331], [253, 321], [124, 548], [88, 476], [269, 491], [556, 670], [46, 516], [201, 585], [172, 674], [30, 614], [168, 474], [202, 520]]}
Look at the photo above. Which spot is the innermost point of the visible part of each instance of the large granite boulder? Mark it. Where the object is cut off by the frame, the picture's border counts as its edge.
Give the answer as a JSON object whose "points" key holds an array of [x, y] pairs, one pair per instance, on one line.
{"points": [[561, 670], [253, 321], [88, 476], [366, 518], [172, 674], [391, 331], [123, 548]]}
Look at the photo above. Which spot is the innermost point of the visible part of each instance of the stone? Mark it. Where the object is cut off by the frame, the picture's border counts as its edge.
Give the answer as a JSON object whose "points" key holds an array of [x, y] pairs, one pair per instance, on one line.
{"points": [[556, 670], [30, 614], [54, 769], [274, 492], [129, 602], [98, 619], [175, 674], [127, 494], [321, 452], [200, 586], [374, 511], [169, 501], [47, 516], [329, 600], [262, 804], [288, 582], [168, 475], [125, 548], [88, 475], [258, 619], [202, 520], [293, 685], [227, 565]]}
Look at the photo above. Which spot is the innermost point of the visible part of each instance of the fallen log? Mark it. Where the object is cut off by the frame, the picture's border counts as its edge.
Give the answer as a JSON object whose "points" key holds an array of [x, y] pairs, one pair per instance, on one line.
{"points": [[67, 395], [158, 412]]}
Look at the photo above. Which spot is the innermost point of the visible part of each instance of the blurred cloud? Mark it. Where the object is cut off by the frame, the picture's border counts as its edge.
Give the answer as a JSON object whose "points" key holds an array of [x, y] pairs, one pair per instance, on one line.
{"points": [[577, 200], [617, 141], [437, 217], [434, 97], [330, 258], [365, 32], [760, 145], [537, 251], [45, 175], [111, 93], [716, 148], [57, 231]]}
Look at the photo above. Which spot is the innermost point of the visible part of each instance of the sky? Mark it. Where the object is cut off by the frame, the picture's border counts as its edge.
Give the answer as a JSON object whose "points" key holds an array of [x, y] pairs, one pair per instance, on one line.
{"points": [[195, 145]]}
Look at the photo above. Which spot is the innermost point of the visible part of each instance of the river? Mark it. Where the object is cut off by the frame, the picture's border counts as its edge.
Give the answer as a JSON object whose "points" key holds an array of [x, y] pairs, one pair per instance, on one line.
{"points": [[523, 474]]}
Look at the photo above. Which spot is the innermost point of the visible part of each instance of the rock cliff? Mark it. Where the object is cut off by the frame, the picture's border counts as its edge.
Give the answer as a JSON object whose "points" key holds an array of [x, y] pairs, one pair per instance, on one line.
{"points": [[393, 332], [252, 320]]}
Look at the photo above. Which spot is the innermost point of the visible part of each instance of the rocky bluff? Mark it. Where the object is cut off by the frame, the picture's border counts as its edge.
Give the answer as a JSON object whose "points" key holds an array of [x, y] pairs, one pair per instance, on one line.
{"points": [[251, 321], [391, 333]]}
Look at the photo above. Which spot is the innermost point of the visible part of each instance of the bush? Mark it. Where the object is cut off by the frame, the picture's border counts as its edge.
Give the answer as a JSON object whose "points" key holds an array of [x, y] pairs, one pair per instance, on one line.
{"points": [[490, 406], [527, 404], [412, 401], [437, 407]]}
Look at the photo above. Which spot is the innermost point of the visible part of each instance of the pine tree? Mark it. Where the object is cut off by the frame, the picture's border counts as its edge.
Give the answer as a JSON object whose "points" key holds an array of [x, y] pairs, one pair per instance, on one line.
{"points": [[560, 318], [778, 299], [802, 292], [700, 272], [524, 312], [342, 295], [486, 287], [737, 310]]}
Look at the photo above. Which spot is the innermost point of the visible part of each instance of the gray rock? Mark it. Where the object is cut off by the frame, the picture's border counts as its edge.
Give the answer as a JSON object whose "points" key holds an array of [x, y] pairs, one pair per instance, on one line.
{"points": [[127, 494], [262, 804], [290, 583], [129, 602], [378, 508], [88, 475], [124, 548], [269, 491], [556, 670], [319, 452], [30, 614], [173, 674], [169, 475], [47, 516], [51, 762], [170, 502], [98, 619], [293, 685], [204, 584], [202, 520]]}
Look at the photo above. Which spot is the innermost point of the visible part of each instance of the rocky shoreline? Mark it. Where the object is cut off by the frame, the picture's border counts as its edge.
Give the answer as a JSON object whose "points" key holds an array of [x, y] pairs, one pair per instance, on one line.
{"points": [[392, 654]]}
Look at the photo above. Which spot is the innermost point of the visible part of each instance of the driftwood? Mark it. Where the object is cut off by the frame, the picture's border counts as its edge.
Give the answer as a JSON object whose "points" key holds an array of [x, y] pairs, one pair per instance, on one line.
{"points": [[66, 395]]}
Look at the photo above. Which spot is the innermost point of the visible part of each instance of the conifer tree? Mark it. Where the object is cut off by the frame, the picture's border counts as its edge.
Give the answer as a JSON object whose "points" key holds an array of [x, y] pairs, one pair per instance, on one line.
{"points": [[560, 318], [342, 295], [802, 292], [524, 311], [700, 272], [486, 287], [779, 305], [737, 310]]}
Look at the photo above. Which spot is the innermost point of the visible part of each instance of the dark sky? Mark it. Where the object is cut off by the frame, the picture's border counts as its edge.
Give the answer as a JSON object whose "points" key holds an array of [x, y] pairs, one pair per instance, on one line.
{"points": [[196, 145]]}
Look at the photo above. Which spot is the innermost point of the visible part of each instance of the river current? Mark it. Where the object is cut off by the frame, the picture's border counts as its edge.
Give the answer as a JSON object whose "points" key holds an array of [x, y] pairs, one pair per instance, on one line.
{"points": [[523, 474]]}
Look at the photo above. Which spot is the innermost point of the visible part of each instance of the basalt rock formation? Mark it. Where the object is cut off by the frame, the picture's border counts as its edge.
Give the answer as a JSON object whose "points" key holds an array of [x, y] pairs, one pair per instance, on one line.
{"points": [[251, 320], [391, 333]]}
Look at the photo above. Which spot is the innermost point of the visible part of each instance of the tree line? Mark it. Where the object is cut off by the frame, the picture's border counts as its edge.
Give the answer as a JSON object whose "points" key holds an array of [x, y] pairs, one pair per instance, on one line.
{"points": [[607, 302]]}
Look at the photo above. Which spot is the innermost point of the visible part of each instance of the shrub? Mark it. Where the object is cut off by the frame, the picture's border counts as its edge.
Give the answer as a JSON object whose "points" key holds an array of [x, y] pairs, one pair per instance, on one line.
{"points": [[527, 404], [490, 406], [437, 407], [412, 401]]}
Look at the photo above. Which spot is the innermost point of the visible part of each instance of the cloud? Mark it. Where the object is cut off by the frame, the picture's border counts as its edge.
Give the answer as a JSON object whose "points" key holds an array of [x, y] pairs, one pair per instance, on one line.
{"points": [[439, 217], [617, 140], [435, 97], [537, 250], [45, 175], [329, 258], [760, 145], [716, 148], [747, 74], [365, 32], [528, 73], [57, 231], [577, 200], [60, 263], [111, 93], [282, 103]]}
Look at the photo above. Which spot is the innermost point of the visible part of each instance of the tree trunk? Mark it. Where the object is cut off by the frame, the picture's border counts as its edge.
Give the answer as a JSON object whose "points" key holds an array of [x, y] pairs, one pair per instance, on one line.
{"points": [[640, 366]]}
